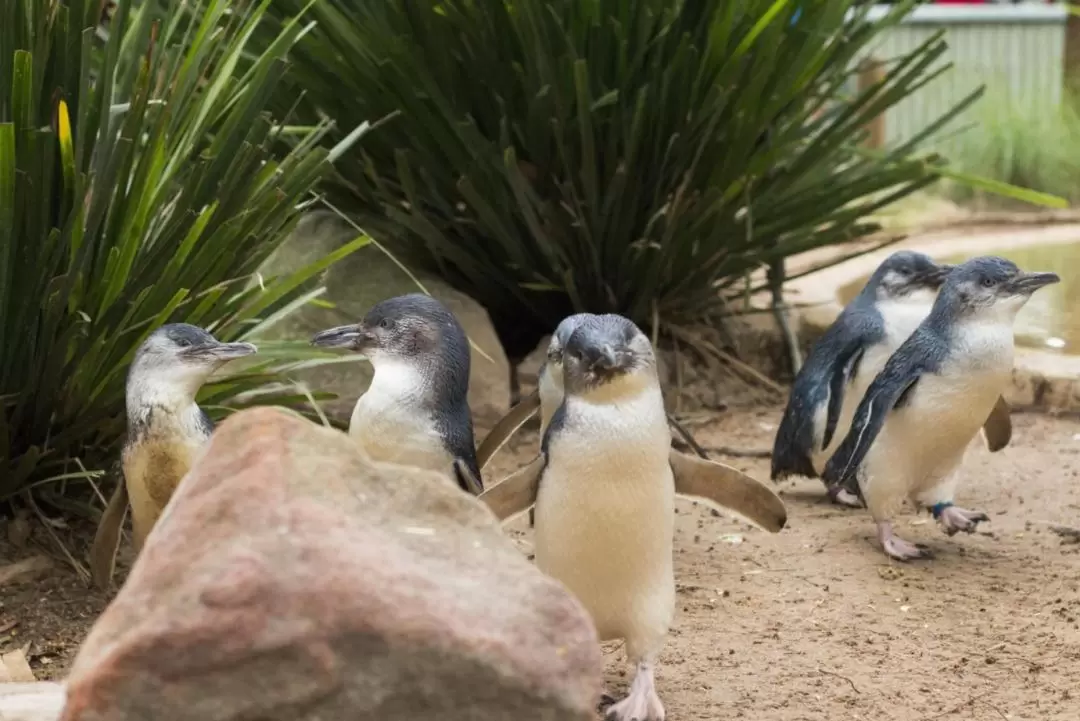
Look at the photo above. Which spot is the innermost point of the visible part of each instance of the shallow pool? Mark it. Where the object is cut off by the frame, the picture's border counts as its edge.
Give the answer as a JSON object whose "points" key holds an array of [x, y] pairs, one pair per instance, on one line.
{"points": [[1051, 319]]}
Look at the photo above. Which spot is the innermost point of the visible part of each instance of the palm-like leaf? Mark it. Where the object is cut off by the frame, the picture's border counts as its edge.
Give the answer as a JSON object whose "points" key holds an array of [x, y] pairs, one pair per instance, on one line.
{"points": [[137, 187]]}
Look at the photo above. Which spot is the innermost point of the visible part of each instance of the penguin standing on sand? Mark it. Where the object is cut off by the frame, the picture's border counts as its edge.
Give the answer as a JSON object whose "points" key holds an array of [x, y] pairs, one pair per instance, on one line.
{"points": [[844, 361], [416, 410], [166, 430], [604, 485], [912, 427]]}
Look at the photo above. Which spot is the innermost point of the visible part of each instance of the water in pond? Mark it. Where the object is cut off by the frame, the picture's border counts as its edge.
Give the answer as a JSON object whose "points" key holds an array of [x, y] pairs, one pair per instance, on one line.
{"points": [[1051, 319]]}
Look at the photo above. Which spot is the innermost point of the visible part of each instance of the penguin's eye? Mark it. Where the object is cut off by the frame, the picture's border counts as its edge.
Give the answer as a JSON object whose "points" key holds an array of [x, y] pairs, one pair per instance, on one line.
{"points": [[183, 342], [385, 324], [987, 282]]}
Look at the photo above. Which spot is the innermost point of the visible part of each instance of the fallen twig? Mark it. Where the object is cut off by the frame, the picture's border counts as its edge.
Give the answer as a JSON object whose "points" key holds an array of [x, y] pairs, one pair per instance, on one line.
{"points": [[1066, 532], [47, 525], [687, 438], [842, 678], [955, 708]]}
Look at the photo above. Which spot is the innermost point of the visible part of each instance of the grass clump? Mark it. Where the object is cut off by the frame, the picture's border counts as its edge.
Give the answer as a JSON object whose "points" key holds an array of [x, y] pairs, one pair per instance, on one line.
{"points": [[1013, 143]]}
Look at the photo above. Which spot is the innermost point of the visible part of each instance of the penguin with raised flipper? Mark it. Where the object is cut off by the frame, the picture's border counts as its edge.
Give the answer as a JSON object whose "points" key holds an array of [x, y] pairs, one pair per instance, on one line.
{"points": [[604, 487]]}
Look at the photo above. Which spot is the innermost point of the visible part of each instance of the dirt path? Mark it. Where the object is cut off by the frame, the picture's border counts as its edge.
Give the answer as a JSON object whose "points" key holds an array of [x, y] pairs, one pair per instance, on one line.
{"points": [[814, 622]]}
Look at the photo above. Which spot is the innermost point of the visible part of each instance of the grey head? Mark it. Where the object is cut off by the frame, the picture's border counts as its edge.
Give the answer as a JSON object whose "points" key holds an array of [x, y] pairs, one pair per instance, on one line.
{"points": [[562, 334], [413, 329], [604, 349], [905, 274], [987, 287], [183, 356], [171, 365]]}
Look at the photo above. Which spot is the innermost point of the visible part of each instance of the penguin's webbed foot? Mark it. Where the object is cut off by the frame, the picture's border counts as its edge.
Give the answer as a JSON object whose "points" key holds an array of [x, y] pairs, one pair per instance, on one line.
{"points": [[898, 548], [954, 519], [843, 497], [642, 703]]}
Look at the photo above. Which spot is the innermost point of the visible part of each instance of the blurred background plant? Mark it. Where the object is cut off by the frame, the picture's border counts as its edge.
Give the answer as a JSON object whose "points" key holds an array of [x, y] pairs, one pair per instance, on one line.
{"points": [[1007, 141], [137, 186], [643, 156]]}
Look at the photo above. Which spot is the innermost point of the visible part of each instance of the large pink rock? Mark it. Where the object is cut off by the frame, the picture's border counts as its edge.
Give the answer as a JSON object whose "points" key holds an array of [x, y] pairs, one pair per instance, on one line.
{"points": [[292, 578]]}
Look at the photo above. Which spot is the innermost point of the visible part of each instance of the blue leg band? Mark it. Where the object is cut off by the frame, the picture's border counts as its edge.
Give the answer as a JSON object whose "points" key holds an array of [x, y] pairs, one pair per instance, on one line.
{"points": [[937, 508]]}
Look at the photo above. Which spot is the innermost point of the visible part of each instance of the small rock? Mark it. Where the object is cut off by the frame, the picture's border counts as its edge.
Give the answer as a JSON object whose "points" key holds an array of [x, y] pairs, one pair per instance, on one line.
{"points": [[282, 584], [890, 573]]}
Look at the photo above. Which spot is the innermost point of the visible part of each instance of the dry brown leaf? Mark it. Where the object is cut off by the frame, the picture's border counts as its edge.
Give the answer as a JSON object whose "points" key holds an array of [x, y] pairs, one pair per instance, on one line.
{"points": [[15, 668]]}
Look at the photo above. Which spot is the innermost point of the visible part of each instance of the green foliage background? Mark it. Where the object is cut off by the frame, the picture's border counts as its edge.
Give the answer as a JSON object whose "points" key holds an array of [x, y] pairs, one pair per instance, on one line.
{"points": [[550, 156]]}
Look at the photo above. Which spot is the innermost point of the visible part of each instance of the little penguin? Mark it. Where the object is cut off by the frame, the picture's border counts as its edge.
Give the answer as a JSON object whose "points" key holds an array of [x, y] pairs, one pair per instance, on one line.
{"points": [[416, 411], [913, 425], [844, 361], [604, 487], [166, 429]]}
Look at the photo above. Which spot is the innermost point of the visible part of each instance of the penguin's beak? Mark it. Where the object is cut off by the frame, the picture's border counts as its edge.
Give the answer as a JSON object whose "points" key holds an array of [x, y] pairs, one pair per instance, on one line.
{"points": [[353, 336], [935, 276], [221, 351], [1028, 283], [606, 359]]}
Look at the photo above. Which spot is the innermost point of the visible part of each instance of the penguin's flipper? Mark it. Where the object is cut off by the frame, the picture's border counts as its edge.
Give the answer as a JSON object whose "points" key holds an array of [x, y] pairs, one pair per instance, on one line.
{"points": [[107, 538], [819, 386], [997, 431], [729, 489], [506, 427], [517, 492], [467, 478], [890, 389], [847, 365]]}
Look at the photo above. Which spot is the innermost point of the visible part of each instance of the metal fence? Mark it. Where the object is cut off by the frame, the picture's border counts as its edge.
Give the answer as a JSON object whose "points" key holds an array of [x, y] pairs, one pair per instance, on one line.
{"points": [[1017, 51]]}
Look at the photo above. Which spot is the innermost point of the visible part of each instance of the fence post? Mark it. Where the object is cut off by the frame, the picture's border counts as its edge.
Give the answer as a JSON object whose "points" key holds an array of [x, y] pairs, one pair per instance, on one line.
{"points": [[871, 72], [1072, 52]]}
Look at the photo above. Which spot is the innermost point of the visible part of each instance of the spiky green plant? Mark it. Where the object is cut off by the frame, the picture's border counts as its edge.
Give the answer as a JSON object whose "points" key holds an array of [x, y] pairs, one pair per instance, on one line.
{"points": [[137, 187], [638, 156]]}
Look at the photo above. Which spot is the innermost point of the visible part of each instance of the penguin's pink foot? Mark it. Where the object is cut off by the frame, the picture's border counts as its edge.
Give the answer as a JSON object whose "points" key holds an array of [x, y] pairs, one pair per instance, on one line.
{"points": [[844, 497], [642, 703], [898, 548]]}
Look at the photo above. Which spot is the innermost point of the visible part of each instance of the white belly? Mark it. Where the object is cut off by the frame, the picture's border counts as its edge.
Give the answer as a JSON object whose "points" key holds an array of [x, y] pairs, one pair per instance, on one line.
{"points": [[605, 522], [922, 444], [393, 432], [901, 320], [872, 362]]}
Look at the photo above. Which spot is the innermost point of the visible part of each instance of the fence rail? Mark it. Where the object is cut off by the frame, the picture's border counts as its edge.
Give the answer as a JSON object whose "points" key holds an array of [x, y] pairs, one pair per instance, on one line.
{"points": [[1017, 51]]}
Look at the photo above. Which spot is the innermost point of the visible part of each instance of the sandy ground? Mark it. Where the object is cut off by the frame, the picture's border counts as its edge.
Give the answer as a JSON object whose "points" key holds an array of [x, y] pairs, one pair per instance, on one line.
{"points": [[813, 622]]}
